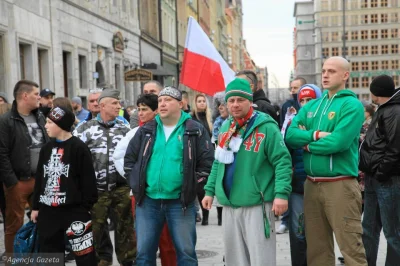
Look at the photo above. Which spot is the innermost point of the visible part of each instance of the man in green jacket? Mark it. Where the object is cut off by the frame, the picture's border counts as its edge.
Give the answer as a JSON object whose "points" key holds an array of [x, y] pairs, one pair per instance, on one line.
{"points": [[251, 177], [328, 128]]}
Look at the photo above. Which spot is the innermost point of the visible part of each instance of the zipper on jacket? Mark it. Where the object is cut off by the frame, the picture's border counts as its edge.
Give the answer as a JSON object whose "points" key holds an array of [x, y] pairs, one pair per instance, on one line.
{"points": [[147, 146], [190, 149], [331, 163], [108, 160], [311, 164]]}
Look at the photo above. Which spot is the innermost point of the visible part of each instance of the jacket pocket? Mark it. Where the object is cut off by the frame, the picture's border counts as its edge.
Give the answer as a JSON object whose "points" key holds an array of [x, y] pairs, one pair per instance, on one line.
{"points": [[134, 179]]}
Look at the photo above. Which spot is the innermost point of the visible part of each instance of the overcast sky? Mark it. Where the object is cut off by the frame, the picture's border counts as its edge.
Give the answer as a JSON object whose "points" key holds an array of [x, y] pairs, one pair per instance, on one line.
{"points": [[268, 31]]}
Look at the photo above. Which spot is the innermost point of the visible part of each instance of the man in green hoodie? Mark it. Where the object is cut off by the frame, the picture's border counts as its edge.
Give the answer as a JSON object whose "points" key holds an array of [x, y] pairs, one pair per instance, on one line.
{"points": [[328, 129], [251, 177]]}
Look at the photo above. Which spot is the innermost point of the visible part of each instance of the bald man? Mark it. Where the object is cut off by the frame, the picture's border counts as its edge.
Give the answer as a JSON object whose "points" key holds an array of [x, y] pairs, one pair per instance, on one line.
{"points": [[328, 130]]}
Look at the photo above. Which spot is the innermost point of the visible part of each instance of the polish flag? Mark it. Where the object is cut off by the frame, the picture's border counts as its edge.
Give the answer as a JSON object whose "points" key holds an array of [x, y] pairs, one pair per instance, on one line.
{"points": [[203, 68]]}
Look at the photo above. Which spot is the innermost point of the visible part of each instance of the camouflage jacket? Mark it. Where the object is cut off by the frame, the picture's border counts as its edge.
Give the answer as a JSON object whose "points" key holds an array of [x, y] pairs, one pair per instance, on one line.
{"points": [[102, 138]]}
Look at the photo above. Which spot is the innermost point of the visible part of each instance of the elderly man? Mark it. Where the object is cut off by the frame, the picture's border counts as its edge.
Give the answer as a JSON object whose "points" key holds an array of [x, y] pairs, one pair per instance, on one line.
{"points": [[251, 178], [22, 135], [102, 135], [328, 130]]}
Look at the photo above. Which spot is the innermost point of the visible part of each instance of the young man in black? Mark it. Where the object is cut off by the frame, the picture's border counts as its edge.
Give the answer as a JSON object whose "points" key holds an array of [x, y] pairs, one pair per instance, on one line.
{"points": [[65, 191]]}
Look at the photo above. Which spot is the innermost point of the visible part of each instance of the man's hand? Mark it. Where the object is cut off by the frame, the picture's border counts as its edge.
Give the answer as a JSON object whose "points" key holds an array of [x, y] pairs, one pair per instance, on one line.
{"points": [[279, 206], [292, 110], [302, 127], [207, 202], [34, 216], [322, 134]]}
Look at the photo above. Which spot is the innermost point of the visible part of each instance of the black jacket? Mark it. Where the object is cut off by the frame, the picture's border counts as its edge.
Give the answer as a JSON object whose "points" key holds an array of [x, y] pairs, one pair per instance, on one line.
{"points": [[14, 146], [197, 159], [380, 151], [202, 120], [262, 104], [289, 103]]}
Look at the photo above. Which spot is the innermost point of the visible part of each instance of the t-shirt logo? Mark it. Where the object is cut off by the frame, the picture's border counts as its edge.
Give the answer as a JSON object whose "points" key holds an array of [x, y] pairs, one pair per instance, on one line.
{"points": [[331, 115]]}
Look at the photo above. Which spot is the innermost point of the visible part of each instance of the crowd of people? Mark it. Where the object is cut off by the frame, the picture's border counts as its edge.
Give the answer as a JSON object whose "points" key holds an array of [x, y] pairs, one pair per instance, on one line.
{"points": [[157, 168]]}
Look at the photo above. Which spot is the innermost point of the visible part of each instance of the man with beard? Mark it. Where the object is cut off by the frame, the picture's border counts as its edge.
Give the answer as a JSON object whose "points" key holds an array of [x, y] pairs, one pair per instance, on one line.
{"points": [[80, 112], [46, 101]]}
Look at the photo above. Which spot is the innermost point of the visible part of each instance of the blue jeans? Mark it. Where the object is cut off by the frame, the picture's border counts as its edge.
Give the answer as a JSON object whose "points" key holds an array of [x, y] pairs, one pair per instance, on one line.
{"points": [[382, 209], [298, 244], [285, 218], [150, 218]]}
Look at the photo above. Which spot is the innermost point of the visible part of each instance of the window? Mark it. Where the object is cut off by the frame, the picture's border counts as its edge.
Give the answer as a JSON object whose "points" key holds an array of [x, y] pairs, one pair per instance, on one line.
{"points": [[334, 21], [354, 50], [26, 61], [365, 96], [364, 3], [395, 64], [374, 34], [384, 3], [355, 83], [374, 3], [346, 35], [364, 19], [396, 80], [354, 66], [354, 35], [325, 21], [83, 83], [395, 48], [384, 34], [354, 4], [325, 36], [365, 82], [364, 50], [335, 36], [325, 5], [354, 19], [394, 33], [384, 18], [43, 66], [325, 52], [394, 17], [385, 49], [374, 18], [364, 65], [67, 73], [364, 35], [335, 51], [374, 65], [374, 49], [334, 5], [385, 65]]}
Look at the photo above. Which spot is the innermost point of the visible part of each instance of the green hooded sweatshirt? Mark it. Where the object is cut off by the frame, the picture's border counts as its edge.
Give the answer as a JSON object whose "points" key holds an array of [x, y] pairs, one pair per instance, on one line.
{"points": [[165, 167], [263, 164], [337, 154]]}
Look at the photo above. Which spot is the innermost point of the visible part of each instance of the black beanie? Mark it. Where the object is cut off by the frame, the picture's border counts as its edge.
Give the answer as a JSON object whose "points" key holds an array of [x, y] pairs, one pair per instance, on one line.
{"points": [[62, 117], [382, 86]]}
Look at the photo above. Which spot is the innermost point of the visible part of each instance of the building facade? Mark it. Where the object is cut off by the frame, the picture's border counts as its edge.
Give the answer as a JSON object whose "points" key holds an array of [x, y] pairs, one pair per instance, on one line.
{"points": [[69, 46], [371, 32]]}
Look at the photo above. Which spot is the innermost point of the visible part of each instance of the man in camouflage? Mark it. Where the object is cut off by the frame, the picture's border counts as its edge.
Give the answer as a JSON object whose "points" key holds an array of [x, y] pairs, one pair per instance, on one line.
{"points": [[102, 135]]}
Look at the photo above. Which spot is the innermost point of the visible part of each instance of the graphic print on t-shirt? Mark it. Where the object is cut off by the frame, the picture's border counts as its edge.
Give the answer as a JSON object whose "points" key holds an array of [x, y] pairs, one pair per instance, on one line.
{"points": [[54, 195], [36, 135]]}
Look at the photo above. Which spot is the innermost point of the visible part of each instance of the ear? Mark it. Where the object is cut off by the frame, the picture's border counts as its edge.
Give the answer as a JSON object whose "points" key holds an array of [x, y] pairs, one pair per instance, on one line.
{"points": [[180, 104]]}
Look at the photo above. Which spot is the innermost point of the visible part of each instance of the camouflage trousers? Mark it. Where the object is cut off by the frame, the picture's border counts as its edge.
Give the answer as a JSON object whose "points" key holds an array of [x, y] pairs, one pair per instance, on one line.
{"points": [[117, 203]]}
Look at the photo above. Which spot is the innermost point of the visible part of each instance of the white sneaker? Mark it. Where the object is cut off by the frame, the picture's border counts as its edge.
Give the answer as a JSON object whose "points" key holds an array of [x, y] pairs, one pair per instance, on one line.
{"points": [[282, 229]]}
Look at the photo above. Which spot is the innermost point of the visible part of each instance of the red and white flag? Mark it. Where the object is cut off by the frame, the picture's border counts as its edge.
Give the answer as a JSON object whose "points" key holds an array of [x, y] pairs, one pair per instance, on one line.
{"points": [[203, 68]]}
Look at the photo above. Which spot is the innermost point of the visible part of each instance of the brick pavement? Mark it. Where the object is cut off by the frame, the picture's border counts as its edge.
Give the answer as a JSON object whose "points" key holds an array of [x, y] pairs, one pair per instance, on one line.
{"points": [[209, 238]]}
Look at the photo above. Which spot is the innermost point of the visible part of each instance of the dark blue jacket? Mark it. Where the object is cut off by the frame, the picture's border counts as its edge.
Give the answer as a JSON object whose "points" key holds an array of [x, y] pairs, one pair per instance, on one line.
{"points": [[299, 175]]}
